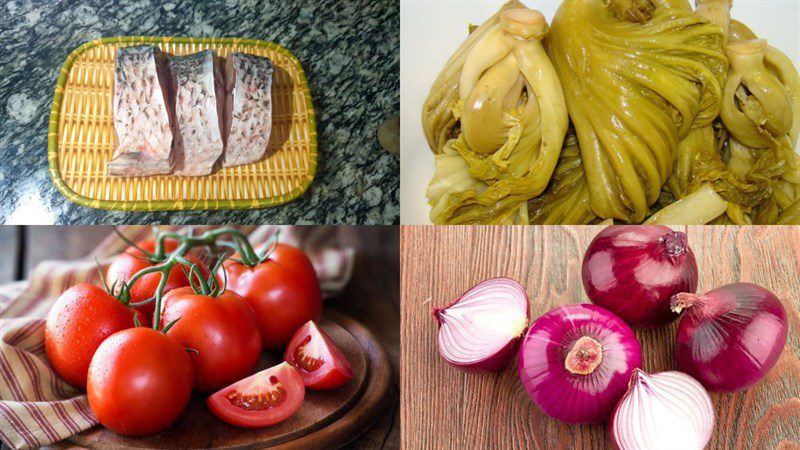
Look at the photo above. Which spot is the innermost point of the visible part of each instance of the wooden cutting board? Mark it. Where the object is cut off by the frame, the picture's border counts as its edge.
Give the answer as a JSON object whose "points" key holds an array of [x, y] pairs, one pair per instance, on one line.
{"points": [[326, 419]]}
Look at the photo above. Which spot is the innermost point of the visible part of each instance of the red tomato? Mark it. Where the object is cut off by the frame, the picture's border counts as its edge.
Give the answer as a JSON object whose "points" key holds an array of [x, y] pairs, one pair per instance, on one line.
{"points": [[80, 320], [283, 292], [266, 398], [140, 381], [320, 362], [127, 263], [222, 330]]}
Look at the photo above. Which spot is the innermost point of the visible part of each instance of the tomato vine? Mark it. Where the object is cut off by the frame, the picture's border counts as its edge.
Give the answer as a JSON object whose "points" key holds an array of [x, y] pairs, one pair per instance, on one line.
{"points": [[186, 242]]}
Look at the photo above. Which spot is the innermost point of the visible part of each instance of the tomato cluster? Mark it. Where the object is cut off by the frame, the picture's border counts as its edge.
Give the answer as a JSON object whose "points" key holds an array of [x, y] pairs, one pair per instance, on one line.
{"points": [[139, 379]]}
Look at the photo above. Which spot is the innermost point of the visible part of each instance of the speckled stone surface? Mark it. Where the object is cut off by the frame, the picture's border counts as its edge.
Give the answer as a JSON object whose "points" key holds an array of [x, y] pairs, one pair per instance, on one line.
{"points": [[350, 53]]}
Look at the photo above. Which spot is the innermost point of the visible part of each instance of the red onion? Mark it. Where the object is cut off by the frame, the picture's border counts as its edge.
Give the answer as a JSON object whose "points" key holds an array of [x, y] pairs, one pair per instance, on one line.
{"points": [[667, 410], [633, 270], [730, 337], [481, 329], [576, 360]]}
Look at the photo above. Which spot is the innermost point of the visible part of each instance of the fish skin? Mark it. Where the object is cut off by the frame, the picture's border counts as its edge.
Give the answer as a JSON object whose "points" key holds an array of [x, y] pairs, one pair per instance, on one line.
{"points": [[143, 121], [199, 99], [248, 108]]}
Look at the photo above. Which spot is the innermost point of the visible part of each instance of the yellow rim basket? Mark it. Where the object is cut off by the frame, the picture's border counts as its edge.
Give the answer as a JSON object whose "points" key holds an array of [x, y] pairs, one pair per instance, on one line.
{"points": [[81, 136]]}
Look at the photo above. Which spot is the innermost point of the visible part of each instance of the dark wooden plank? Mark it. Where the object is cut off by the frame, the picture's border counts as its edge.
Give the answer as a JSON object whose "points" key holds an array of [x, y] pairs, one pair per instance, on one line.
{"points": [[9, 252], [385, 433], [443, 407], [61, 242], [373, 297], [373, 294]]}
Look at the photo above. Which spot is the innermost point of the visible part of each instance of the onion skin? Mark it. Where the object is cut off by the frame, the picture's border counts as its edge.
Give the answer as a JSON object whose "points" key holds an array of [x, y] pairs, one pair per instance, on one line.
{"points": [[730, 337], [666, 410], [634, 270], [499, 358], [575, 397]]}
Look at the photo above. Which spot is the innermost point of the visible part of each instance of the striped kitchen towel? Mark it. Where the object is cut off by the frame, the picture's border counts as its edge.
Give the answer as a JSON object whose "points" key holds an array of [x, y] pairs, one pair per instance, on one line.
{"points": [[38, 408]]}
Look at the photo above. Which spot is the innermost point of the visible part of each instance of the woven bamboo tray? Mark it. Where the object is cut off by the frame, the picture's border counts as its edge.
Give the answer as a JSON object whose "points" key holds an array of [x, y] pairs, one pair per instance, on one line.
{"points": [[81, 135]]}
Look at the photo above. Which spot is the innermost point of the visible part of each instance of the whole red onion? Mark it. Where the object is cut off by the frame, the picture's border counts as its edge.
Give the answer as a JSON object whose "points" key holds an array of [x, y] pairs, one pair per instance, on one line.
{"points": [[634, 270], [730, 337], [576, 360], [481, 329]]}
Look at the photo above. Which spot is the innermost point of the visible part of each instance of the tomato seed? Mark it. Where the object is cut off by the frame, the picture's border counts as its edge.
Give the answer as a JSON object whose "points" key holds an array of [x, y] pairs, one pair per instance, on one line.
{"points": [[306, 362], [261, 401]]}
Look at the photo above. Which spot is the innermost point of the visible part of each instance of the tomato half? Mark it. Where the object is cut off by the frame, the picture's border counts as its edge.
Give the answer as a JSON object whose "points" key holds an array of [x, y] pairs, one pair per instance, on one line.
{"points": [[139, 382], [80, 320], [320, 362], [127, 263], [266, 398], [222, 330], [283, 292]]}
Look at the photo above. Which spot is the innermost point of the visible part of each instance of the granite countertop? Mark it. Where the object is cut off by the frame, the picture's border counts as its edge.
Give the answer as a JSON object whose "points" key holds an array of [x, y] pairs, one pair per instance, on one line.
{"points": [[349, 51]]}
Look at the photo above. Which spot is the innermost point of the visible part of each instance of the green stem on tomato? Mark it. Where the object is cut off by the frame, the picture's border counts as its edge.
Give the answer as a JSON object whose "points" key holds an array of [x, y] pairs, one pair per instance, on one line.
{"points": [[159, 295], [224, 286], [161, 240], [196, 280], [246, 251], [148, 270], [216, 288], [147, 256]]}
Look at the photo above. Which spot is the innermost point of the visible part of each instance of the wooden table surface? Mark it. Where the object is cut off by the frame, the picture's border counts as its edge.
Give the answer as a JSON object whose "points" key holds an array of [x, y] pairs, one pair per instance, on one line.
{"points": [[371, 297], [443, 407]]}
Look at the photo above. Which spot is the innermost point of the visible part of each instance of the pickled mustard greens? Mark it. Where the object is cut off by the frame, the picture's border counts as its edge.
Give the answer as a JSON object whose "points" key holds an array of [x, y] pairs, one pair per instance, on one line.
{"points": [[512, 121], [717, 12], [636, 84], [438, 119], [761, 116], [756, 107], [781, 66], [678, 116], [698, 208], [783, 205], [566, 200], [757, 110]]}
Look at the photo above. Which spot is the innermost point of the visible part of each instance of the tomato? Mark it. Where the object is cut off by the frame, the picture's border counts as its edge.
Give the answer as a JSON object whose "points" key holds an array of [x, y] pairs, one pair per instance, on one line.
{"points": [[320, 362], [80, 320], [222, 330], [283, 292], [127, 263], [140, 381], [266, 398]]}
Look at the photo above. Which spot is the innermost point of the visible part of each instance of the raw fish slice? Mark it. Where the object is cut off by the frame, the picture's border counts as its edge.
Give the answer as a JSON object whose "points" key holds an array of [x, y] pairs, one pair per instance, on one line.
{"points": [[199, 103], [248, 108], [142, 118]]}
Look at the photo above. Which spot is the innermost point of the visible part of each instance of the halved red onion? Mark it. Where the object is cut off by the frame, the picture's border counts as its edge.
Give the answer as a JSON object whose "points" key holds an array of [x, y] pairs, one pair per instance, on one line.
{"points": [[731, 337], [667, 410], [634, 270], [480, 330], [576, 360]]}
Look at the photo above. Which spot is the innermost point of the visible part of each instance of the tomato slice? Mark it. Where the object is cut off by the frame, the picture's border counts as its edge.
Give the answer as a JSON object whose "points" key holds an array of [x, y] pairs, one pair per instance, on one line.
{"points": [[266, 398], [320, 362]]}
